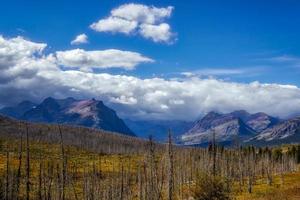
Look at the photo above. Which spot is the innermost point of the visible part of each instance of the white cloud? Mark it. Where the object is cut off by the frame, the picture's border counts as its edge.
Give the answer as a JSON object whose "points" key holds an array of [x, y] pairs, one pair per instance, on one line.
{"points": [[158, 33], [111, 58], [35, 76], [219, 72], [148, 21], [16, 49], [142, 13], [20, 58], [115, 25], [80, 39], [157, 98]]}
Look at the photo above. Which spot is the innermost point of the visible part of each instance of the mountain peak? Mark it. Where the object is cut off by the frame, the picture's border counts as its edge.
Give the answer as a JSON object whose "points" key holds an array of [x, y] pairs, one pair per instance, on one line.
{"points": [[226, 126], [287, 131], [237, 123], [89, 113], [243, 114], [50, 103], [26, 103], [212, 114]]}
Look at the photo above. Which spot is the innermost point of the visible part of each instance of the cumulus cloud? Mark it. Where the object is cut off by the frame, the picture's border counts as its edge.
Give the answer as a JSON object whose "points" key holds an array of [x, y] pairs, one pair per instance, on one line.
{"points": [[158, 33], [13, 51], [35, 76], [80, 39], [20, 58], [148, 21], [115, 25], [142, 13], [111, 58]]}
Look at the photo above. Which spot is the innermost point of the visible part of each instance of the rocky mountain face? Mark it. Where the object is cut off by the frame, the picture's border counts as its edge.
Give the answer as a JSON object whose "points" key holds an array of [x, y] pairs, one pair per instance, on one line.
{"points": [[159, 128], [287, 131], [237, 126], [89, 113], [258, 121]]}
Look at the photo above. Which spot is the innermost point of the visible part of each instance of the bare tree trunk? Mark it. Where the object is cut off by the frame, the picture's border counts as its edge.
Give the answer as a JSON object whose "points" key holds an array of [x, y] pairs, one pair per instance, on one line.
{"points": [[214, 153], [63, 163], [27, 165], [7, 172], [171, 168], [122, 181], [19, 166], [50, 177], [40, 180]]}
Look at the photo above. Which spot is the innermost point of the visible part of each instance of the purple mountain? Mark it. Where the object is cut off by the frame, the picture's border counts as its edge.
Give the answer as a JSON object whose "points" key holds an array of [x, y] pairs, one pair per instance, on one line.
{"points": [[89, 113]]}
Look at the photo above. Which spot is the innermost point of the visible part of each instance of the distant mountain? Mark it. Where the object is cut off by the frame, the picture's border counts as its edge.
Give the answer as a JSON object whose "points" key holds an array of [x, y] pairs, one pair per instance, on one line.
{"points": [[18, 110], [258, 121], [285, 132], [89, 113], [228, 128], [159, 128]]}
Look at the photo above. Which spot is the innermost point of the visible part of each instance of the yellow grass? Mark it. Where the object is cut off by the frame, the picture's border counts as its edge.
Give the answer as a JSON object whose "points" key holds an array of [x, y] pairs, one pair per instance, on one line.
{"points": [[85, 161], [288, 189]]}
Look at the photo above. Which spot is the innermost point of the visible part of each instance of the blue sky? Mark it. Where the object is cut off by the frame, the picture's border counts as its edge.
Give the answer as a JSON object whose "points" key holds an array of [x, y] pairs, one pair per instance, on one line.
{"points": [[210, 34], [239, 42]]}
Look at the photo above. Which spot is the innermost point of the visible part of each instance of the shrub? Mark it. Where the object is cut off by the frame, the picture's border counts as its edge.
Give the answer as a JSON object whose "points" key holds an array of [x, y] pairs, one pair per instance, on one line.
{"points": [[209, 187]]}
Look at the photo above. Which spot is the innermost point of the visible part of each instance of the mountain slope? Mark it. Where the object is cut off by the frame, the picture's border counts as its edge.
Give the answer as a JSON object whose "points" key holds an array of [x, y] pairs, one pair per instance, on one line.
{"points": [[238, 125], [257, 121], [226, 127], [18, 110], [286, 132], [89, 113]]}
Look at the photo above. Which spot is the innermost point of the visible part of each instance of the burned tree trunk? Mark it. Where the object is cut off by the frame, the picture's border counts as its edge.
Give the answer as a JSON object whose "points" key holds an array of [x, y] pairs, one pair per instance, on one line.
{"points": [[27, 165], [63, 159], [18, 178], [171, 168], [7, 173]]}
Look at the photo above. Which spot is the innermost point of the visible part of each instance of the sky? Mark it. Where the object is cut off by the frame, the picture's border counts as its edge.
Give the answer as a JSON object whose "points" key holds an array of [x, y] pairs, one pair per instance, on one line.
{"points": [[154, 59]]}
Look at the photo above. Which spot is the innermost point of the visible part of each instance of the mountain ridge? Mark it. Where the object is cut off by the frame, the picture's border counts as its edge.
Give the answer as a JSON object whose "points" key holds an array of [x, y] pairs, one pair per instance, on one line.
{"points": [[237, 125], [89, 113], [286, 132]]}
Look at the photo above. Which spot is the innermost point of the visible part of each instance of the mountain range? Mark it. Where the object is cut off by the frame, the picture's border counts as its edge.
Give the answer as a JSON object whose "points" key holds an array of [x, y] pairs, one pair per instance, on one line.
{"points": [[238, 127], [285, 132], [243, 128], [89, 113]]}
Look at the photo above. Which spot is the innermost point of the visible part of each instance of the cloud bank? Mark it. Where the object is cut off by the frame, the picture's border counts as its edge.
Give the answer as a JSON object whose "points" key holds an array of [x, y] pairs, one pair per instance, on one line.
{"points": [[147, 21], [111, 58], [28, 73]]}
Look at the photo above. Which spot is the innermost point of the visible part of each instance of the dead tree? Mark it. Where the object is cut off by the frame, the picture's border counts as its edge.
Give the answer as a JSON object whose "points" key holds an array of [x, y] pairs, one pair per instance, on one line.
{"points": [[7, 173], [63, 164], [40, 181], [18, 178], [171, 167], [27, 165], [214, 148]]}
